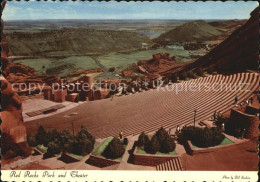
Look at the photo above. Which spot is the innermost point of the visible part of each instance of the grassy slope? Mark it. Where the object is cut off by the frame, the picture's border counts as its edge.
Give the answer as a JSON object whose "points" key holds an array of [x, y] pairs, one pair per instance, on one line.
{"points": [[192, 31]]}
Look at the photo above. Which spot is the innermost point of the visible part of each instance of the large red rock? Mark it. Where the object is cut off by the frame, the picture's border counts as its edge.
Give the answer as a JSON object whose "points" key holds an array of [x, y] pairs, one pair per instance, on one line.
{"points": [[13, 140]]}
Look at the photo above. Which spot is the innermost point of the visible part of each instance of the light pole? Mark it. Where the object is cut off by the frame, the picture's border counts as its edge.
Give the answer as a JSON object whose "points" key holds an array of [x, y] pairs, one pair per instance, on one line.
{"points": [[195, 111]]}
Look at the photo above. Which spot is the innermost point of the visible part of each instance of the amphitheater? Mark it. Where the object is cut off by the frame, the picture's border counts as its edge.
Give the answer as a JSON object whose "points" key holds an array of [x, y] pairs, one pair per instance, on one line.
{"points": [[148, 110]]}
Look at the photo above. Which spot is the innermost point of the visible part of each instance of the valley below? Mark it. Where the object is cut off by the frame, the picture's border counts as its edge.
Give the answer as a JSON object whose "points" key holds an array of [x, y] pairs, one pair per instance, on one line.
{"points": [[62, 47]]}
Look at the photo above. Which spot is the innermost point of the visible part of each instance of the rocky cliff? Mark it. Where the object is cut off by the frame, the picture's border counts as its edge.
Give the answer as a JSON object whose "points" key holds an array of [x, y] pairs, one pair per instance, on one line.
{"points": [[13, 139]]}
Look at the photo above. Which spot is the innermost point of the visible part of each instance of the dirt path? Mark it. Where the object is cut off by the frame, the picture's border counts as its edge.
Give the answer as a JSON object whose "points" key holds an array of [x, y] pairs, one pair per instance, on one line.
{"points": [[106, 74]]}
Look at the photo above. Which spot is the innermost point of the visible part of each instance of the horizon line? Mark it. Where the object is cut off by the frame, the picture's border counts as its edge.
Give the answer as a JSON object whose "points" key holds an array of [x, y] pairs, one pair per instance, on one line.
{"points": [[122, 19]]}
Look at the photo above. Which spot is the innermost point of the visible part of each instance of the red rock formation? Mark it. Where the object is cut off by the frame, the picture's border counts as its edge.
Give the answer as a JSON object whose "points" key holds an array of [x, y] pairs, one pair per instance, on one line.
{"points": [[159, 63], [13, 130], [128, 72]]}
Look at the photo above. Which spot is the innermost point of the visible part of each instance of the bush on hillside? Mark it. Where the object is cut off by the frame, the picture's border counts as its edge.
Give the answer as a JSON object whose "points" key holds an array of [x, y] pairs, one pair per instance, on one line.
{"points": [[153, 146], [190, 74], [183, 75], [200, 72], [41, 136], [112, 69], [174, 78], [114, 149]]}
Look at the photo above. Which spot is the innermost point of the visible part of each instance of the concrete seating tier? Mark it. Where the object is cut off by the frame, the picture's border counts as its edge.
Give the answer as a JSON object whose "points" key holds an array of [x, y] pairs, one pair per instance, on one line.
{"points": [[149, 110]]}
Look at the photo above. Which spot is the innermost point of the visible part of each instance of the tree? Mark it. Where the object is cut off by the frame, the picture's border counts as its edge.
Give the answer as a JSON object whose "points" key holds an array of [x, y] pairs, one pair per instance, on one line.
{"points": [[67, 141], [31, 140], [84, 134], [114, 149], [53, 147], [143, 140], [161, 134], [153, 146], [167, 145], [41, 136], [83, 143], [82, 146], [53, 135]]}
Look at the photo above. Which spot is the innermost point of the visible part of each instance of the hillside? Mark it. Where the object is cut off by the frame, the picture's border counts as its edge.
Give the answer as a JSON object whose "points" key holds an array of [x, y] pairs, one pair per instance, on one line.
{"points": [[237, 53], [66, 42], [191, 31]]}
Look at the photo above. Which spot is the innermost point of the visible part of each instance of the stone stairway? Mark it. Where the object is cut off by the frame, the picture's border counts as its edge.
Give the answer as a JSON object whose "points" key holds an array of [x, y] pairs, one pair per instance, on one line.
{"points": [[171, 165]]}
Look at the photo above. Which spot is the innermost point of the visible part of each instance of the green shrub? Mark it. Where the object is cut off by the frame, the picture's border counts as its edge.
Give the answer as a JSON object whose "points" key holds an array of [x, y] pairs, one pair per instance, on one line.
{"points": [[114, 149], [41, 136], [183, 75], [167, 145], [154, 146], [200, 72], [203, 137], [143, 140], [112, 69], [190, 74], [31, 140]]}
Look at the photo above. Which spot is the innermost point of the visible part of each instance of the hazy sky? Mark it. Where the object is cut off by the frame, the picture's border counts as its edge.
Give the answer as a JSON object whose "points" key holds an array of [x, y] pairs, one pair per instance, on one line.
{"points": [[32, 10]]}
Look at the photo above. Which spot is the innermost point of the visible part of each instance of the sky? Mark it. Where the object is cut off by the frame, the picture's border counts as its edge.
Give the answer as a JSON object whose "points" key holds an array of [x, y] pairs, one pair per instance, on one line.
{"points": [[34, 10]]}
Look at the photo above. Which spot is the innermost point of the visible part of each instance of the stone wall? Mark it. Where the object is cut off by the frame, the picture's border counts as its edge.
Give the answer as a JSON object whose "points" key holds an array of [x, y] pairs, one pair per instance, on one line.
{"points": [[189, 149], [100, 161], [240, 120], [149, 159]]}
